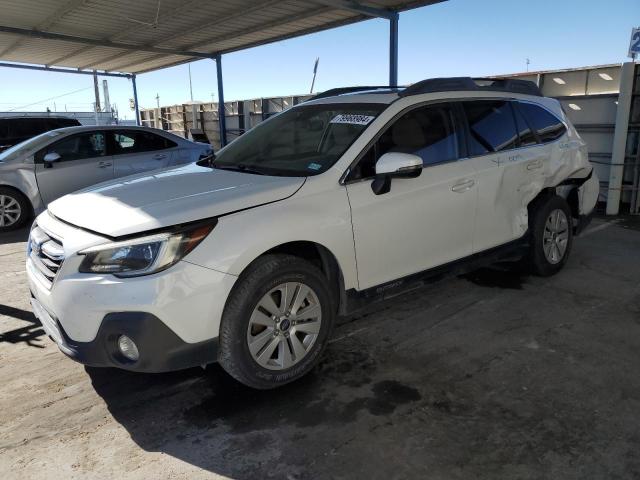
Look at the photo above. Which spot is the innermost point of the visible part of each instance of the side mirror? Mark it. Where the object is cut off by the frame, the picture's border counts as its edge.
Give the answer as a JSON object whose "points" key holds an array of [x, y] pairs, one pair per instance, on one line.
{"points": [[395, 165], [50, 158]]}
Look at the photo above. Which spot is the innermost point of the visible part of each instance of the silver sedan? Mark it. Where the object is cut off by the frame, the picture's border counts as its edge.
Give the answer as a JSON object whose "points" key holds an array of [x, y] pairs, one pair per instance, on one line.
{"points": [[39, 170]]}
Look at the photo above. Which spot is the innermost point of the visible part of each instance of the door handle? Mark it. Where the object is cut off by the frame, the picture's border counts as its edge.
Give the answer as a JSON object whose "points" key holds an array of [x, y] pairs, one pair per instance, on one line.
{"points": [[104, 164], [463, 186], [159, 156], [535, 164]]}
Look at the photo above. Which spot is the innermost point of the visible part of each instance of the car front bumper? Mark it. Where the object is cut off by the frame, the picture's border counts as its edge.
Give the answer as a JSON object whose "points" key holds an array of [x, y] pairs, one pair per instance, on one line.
{"points": [[161, 350], [172, 316]]}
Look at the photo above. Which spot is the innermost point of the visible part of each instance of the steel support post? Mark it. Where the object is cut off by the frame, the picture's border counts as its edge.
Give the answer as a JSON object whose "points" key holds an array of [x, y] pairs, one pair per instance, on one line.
{"points": [[393, 51], [618, 155], [135, 99], [222, 121]]}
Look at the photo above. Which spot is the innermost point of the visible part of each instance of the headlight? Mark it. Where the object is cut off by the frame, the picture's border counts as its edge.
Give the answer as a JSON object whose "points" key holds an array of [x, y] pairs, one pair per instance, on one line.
{"points": [[144, 255]]}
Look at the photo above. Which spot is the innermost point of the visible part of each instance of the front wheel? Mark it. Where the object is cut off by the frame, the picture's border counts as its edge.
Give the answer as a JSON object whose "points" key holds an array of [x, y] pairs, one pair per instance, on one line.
{"points": [[551, 236], [14, 209], [276, 323]]}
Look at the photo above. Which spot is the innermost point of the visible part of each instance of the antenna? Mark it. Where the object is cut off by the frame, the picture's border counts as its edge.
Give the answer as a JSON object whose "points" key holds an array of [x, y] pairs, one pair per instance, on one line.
{"points": [[315, 71]]}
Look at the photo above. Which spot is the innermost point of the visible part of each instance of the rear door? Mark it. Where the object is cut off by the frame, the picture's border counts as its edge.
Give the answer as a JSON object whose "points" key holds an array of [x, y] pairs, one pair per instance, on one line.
{"points": [[505, 164], [83, 162], [136, 151]]}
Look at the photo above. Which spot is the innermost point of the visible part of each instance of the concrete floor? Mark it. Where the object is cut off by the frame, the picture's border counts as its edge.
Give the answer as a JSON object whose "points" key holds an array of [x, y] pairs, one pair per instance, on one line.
{"points": [[488, 376]]}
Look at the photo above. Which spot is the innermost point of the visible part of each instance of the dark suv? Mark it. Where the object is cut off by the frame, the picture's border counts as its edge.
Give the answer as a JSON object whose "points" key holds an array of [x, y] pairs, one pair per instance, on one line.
{"points": [[14, 130]]}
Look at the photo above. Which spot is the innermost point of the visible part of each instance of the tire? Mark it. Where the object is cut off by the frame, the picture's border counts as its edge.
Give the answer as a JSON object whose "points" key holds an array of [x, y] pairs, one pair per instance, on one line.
{"points": [[13, 203], [551, 229], [249, 319]]}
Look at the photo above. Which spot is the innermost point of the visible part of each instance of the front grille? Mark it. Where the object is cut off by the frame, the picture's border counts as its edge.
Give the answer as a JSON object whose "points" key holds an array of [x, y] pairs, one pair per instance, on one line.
{"points": [[46, 253]]}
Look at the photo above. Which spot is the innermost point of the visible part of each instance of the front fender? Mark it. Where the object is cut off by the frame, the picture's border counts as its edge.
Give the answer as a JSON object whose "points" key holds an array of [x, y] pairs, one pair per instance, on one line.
{"points": [[23, 179], [320, 217]]}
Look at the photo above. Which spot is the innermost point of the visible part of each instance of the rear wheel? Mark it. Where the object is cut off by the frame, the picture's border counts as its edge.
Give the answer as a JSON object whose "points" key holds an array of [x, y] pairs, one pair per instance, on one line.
{"points": [[276, 323], [551, 236], [14, 209]]}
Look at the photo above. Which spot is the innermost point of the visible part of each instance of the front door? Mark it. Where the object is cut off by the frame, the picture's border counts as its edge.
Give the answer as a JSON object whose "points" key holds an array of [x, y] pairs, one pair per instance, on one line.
{"points": [[83, 162], [421, 222]]}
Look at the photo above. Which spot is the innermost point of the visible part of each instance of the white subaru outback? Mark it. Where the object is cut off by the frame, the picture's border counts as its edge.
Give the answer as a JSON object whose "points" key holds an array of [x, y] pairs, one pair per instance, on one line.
{"points": [[247, 258]]}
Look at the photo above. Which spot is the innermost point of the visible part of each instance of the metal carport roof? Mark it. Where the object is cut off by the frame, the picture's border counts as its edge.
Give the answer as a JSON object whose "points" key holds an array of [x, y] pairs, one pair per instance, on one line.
{"points": [[137, 36], [129, 37]]}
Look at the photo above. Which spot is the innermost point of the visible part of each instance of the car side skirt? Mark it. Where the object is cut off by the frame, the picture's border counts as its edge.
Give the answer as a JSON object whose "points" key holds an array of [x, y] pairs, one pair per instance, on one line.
{"points": [[512, 251]]}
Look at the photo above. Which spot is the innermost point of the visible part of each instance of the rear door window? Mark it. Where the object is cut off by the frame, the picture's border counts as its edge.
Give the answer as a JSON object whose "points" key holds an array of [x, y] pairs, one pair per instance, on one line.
{"points": [[548, 126], [526, 135], [131, 141], [492, 126]]}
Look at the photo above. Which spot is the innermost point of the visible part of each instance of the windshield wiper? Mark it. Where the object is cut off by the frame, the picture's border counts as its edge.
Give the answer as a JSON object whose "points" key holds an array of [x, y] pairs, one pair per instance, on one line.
{"points": [[207, 161], [239, 168]]}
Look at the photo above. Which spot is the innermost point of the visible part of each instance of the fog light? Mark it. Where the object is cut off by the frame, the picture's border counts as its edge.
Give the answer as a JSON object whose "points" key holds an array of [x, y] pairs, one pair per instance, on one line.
{"points": [[128, 348]]}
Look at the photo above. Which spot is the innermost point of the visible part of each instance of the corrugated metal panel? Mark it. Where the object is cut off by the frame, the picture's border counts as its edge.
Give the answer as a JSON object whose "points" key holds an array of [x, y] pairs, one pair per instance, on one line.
{"points": [[204, 27]]}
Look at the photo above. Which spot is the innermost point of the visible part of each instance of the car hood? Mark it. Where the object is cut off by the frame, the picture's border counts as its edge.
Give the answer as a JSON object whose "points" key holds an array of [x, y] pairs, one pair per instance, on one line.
{"points": [[168, 197]]}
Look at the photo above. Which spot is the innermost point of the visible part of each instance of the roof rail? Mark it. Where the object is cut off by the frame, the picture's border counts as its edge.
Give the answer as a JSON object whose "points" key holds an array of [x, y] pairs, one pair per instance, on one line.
{"points": [[342, 90], [472, 84]]}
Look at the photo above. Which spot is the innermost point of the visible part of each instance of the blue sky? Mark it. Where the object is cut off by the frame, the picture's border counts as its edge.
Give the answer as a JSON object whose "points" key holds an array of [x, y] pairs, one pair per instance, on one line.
{"points": [[458, 37]]}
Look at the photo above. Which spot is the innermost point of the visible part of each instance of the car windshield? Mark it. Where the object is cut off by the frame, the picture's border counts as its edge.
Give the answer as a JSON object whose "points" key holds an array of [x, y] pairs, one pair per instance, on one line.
{"points": [[305, 140], [36, 141]]}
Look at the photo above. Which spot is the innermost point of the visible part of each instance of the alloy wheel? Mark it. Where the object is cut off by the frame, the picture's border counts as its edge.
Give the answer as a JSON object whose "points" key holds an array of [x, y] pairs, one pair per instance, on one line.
{"points": [[10, 211], [284, 326], [556, 236]]}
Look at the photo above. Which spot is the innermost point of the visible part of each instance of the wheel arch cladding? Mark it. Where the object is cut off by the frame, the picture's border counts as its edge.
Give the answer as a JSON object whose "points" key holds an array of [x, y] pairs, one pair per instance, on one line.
{"points": [[6, 186], [321, 257], [570, 194]]}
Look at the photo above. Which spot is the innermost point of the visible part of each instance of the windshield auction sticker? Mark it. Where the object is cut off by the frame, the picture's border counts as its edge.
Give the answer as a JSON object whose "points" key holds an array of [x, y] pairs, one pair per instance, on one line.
{"points": [[353, 119]]}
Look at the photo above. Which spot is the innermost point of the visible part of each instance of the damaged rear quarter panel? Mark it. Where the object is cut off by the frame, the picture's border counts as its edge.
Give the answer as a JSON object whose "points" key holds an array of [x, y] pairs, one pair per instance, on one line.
{"points": [[509, 181]]}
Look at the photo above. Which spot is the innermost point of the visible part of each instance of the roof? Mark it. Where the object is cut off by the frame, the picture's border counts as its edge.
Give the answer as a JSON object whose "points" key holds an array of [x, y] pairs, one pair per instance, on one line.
{"points": [[35, 117], [472, 87], [90, 128], [144, 35], [383, 97]]}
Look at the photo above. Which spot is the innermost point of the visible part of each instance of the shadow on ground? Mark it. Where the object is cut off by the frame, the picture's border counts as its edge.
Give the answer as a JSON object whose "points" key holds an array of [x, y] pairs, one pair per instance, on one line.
{"points": [[14, 236], [209, 420], [26, 334], [415, 388]]}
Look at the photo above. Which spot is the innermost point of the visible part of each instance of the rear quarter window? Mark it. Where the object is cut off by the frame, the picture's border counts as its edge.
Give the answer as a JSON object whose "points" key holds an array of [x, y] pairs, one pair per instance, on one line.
{"points": [[547, 126], [64, 122]]}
